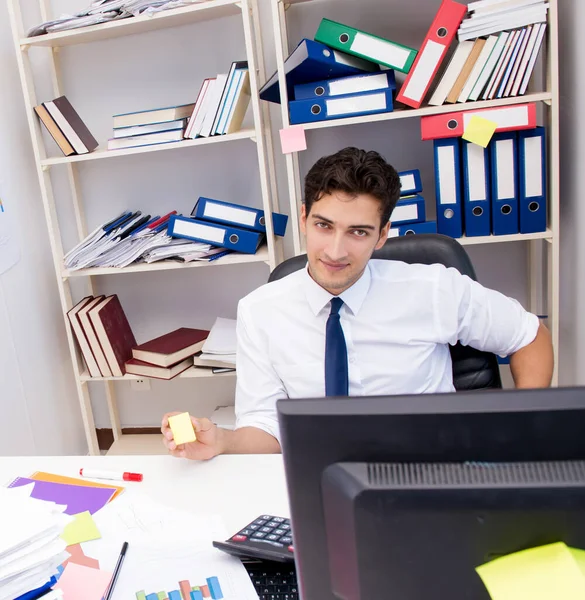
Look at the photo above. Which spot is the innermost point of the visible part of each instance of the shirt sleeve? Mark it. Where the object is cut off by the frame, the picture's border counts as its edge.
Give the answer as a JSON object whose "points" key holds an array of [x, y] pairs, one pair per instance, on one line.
{"points": [[480, 317], [258, 385]]}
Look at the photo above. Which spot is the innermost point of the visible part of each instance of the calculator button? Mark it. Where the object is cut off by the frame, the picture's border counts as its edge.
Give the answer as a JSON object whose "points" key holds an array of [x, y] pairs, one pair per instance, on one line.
{"points": [[278, 519], [253, 527], [286, 540], [246, 532], [258, 535], [280, 531], [285, 526], [266, 517], [266, 529], [291, 549], [260, 521], [272, 537], [272, 524], [239, 538]]}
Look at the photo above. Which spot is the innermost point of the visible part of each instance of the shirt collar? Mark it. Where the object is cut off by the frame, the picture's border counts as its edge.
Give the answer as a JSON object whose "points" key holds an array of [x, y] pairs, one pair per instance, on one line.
{"points": [[353, 297]]}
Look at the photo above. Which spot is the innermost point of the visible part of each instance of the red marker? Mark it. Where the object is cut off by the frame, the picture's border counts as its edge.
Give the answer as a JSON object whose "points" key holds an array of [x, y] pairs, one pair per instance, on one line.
{"points": [[116, 475]]}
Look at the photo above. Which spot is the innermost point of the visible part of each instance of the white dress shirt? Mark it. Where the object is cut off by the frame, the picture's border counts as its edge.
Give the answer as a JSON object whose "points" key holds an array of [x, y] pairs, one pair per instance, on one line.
{"points": [[398, 320]]}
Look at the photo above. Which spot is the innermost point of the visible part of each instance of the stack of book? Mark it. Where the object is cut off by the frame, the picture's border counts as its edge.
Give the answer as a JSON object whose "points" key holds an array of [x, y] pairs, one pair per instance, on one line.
{"points": [[219, 349], [66, 127], [103, 334], [338, 74], [409, 215], [167, 356]]}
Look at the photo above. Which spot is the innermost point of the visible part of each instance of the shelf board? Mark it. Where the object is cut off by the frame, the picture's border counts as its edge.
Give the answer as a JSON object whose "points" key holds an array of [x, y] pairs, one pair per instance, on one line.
{"points": [[426, 111], [244, 134], [236, 258], [138, 444], [205, 11], [191, 373], [500, 239]]}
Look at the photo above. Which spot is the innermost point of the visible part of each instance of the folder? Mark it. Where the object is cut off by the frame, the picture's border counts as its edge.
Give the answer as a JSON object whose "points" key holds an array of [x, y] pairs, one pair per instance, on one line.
{"points": [[448, 187], [504, 176], [346, 85], [413, 228], [438, 39], [232, 238], [351, 105], [238, 215], [410, 209], [507, 118], [476, 190], [365, 45], [410, 182], [312, 61], [532, 180]]}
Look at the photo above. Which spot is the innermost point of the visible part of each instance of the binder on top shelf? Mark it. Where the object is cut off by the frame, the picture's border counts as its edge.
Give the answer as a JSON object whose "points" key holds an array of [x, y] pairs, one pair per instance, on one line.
{"points": [[313, 61], [346, 85], [410, 182], [504, 175], [413, 228], [409, 209], [238, 215], [476, 189], [438, 39], [448, 187], [365, 45], [507, 118], [351, 105], [232, 238], [532, 180]]}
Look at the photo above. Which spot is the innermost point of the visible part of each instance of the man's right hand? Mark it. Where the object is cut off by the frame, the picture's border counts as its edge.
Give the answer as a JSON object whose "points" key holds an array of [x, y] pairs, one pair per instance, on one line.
{"points": [[207, 445]]}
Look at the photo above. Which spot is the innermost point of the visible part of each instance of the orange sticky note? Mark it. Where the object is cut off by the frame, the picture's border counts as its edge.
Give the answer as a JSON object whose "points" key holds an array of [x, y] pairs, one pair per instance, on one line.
{"points": [[182, 428], [479, 130], [292, 139], [43, 476], [78, 582]]}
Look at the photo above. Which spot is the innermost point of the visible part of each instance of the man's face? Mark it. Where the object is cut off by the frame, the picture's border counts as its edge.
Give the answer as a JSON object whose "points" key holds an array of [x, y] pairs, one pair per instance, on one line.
{"points": [[342, 232]]}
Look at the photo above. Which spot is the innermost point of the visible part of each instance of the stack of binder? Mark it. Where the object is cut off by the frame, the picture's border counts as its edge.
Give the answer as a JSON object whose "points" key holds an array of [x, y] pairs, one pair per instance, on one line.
{"points": [[338, 74], [231, 226], [409, 215], [499, 190]]}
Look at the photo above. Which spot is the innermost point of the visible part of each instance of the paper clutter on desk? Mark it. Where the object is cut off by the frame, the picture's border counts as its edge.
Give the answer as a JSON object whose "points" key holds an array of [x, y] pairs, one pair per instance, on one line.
{"points": [[78, 581], [542, 573], [81, 529], [182, 428]]}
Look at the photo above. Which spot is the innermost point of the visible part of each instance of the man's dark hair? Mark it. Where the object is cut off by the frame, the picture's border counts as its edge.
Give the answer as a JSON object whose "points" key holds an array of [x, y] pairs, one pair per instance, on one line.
{"points": [[354, 172]]}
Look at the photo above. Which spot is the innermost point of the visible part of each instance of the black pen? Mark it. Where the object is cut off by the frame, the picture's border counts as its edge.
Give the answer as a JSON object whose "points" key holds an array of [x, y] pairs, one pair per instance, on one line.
{"points": [[116, 571]]}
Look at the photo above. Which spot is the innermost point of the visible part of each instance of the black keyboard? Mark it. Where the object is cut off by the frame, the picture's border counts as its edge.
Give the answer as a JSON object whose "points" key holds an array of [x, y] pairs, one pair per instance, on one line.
{"points": [[273, 580]]}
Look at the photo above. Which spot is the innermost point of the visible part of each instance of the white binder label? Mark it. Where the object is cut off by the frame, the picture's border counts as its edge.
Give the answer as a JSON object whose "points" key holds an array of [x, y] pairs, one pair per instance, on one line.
{"points": [[533, 167], [348, 59], [404, 213], [359, 104], [406, 183], [427, 63], [196, 230], [352, 85], [380, 50], [476, 175], [229, 213], [514, 116], [505, 169], [447, 175], [393, 232]]}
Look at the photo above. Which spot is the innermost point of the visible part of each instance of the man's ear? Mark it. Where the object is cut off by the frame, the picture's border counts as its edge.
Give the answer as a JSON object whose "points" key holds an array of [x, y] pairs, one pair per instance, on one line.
{"points": [[383, 236], [303, 219]]}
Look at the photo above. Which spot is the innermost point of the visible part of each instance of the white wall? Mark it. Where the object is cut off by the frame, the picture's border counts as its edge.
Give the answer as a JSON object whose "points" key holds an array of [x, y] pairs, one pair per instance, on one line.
{"points": [[158, 69]]}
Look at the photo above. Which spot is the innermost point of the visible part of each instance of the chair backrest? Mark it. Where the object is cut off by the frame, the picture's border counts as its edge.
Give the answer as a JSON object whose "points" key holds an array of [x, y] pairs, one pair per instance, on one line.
{"points": [[472, 369]]}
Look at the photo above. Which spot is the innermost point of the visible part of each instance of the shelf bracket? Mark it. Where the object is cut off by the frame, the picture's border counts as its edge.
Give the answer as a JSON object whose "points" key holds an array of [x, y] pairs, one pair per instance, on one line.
{"points": [[239, 5], [25, 48], [286, 5], [548, 102], [253, 138], [45, 168]]}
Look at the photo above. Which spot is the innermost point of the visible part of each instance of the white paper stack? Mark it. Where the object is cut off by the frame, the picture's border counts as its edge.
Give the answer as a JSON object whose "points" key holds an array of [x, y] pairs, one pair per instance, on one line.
{"points": [[219, 349], [31, 547]]}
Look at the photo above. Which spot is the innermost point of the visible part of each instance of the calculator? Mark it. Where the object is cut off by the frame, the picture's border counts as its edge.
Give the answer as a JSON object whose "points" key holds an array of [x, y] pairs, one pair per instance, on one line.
{"points": [[267, 538]]}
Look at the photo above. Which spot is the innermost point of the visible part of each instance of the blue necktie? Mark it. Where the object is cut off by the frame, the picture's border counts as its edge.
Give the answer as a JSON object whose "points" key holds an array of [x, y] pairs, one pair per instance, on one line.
{"points": [[336, 376]]}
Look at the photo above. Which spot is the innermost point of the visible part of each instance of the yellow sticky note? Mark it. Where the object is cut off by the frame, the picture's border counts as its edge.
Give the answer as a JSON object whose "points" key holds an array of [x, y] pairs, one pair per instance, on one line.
{"points": [[182, 428], [552, 571], [293, 139], [479, 131], [82, 529]]}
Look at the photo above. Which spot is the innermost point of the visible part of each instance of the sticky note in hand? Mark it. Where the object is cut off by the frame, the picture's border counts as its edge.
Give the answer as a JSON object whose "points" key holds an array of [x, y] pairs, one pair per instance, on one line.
{"points": [[182, 428], [479, 131]]}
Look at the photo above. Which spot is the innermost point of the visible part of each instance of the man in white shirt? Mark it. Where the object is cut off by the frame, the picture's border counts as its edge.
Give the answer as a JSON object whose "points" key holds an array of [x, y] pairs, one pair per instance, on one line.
{"points": [[348, 325]]}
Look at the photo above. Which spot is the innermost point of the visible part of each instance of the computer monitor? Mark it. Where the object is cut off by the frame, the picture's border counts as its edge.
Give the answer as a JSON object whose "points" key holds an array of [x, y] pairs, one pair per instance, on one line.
{"points": [[401, 497]]}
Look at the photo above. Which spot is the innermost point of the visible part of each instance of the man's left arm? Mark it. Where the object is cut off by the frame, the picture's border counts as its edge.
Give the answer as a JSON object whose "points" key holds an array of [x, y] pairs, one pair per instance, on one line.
{"points": [[532, 366]]}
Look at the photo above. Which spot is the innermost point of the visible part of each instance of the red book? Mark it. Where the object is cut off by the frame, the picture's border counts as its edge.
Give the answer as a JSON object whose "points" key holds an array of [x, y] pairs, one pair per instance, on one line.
{"points": [[144, 369], [171, 348], [114, 333]]}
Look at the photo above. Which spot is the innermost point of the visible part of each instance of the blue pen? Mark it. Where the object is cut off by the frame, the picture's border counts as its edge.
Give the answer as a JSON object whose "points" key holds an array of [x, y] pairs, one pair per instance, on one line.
{"points": [[219, 255]]}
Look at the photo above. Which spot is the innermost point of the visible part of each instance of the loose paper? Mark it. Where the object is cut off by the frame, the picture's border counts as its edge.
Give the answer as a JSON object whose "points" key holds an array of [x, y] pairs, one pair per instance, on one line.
{"points": [[182, 428], [292, 139], [479, 130], [78, 581], [43, 476], [82, 529]]}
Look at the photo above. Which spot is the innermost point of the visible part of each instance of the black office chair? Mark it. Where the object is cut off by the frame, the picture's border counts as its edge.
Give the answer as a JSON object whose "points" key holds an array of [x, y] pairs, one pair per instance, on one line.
{"points": [[472, 369]]}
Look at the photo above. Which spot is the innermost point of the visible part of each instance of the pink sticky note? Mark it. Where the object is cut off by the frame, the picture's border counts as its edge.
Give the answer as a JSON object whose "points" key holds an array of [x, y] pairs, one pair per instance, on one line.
{"points": [[292, 139], [78, 581], [78, 557]]}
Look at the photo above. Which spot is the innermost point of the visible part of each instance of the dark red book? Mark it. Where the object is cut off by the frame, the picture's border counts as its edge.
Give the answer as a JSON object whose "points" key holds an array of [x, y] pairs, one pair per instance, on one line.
{"points": [[114, 333], [171, 348], [144, 369]]}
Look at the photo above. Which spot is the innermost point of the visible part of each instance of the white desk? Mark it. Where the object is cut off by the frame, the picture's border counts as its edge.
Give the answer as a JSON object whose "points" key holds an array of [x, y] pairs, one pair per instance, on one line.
{"points": [[238, 488]]}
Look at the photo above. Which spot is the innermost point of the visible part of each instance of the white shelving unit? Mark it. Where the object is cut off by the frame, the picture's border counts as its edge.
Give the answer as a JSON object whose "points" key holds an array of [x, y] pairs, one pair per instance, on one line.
{"points": [[543, 296], [270, 254]]}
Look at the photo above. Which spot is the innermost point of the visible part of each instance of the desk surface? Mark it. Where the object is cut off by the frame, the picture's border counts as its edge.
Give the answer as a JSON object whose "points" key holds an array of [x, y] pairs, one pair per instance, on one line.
{"points": [[238, 488]]}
